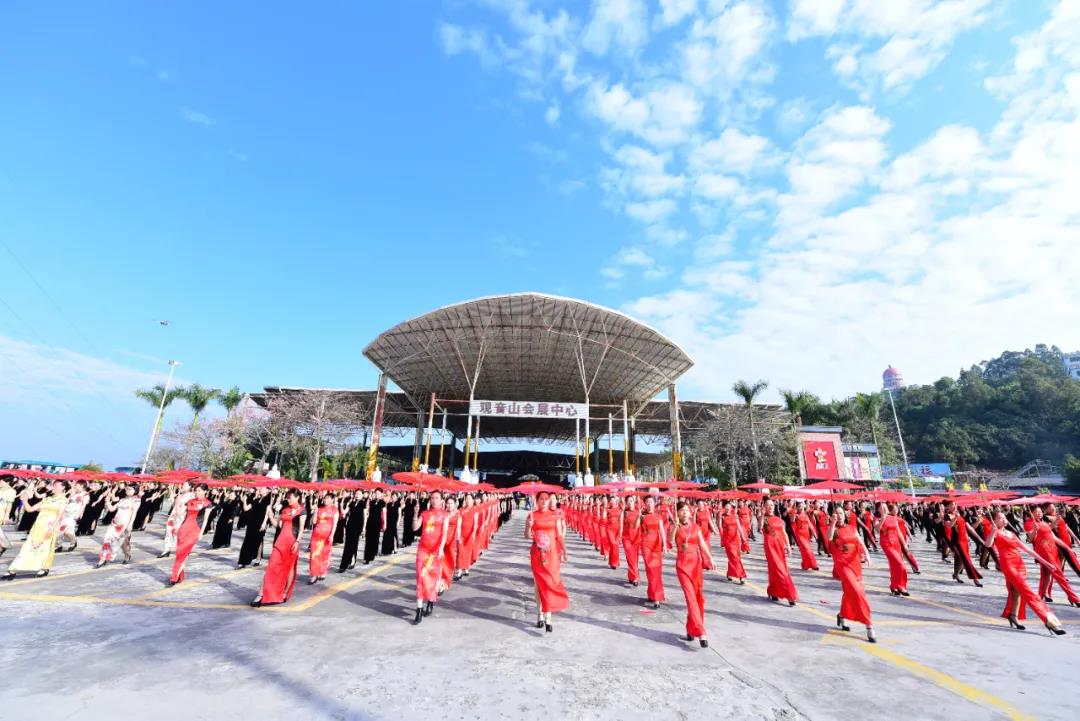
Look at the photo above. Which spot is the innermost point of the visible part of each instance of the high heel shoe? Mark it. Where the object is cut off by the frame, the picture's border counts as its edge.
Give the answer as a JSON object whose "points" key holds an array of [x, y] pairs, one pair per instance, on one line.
{"points": [[841, 625], [704, 642], [257, 603], [540, 621], [1055, 630], [419, 616], [870, 634], [977, 584], [904, 593], [687, 637], [1013, 623], [547, 628]]}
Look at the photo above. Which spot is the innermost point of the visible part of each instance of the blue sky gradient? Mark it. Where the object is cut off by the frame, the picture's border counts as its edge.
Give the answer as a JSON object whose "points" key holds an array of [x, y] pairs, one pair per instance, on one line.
{"points": [[282, 183]]}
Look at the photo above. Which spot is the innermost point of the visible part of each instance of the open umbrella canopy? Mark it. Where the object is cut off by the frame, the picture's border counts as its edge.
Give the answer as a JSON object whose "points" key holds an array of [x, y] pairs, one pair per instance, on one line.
{"points": [[1042, 498], [537, 488], [760, 486], [832, 486]]}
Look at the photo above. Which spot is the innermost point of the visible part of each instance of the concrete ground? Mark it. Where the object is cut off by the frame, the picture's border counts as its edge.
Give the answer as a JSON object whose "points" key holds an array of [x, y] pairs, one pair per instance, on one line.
{"points": [[118, 644]]}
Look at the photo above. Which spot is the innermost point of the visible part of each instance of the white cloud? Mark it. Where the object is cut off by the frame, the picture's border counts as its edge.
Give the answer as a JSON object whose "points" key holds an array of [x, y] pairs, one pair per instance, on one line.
{"points": [[664, 115], [551, 115], [673, 12], [196, 117], [887, 44], [651, 211], [734, 151], [724, 49], [616, 24]]}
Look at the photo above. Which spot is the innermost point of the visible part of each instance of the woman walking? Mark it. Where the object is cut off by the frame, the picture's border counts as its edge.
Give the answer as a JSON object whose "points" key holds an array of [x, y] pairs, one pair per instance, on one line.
{"points": [[776, 554], [893, 545], [254, 516], [1008, 548], [692, 557], [322, 536], [544, 529], [803, 532], [732, 537], [118, 536], [848, 552], [37, 552], [190, 531], [631, 539], [433, 526], [280, 578], [653, 546]]}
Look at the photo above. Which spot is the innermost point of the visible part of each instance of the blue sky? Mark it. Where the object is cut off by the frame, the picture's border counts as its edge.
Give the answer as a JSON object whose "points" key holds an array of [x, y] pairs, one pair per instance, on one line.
{"points": [[798, 191]]}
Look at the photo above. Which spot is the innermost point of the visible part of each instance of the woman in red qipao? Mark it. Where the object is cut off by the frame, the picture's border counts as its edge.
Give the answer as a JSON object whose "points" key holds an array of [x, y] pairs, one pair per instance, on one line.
{"points": [[653, 536], [322, 536], [894, 546], [704, 518], [1045, 542], [732, 536], [467, 537], [450, 548], [692, 557], [848, 552], [1008, 549], [544, 528], [614, 530], [956, 530], [189, 533], [631, 539], [280, 578], [433, 525], [776, 554], [804, 531]]}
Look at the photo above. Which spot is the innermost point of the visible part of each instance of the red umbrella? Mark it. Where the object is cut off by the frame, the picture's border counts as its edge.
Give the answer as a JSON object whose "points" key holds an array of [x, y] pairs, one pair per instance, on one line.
{"points": [[537, 488], [832, 486], [761, 486]]}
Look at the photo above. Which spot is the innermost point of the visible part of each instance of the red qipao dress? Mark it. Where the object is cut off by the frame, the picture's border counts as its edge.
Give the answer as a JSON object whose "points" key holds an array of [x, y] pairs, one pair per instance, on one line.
{"points": [[803, 533], [689, 568], [614, 519], [890, 538], [847, 559], [631, 543], [732, 541], [780, 583], [1045, 545], [652, 554], [280, 578], [450, 550], [187, 536], [467, 540], [321, 541], [1007, 547], [429, 558], [545, 562]]}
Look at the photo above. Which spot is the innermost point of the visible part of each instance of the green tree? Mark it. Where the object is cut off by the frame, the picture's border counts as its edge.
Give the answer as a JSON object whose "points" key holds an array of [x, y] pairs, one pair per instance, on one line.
{"points": [[1071, 469], [92, 467], [230, 399], [748, 392]]}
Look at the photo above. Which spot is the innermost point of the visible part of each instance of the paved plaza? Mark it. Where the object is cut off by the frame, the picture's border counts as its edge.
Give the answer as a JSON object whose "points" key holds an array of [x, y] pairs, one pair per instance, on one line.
{"points": [[118, 644]]}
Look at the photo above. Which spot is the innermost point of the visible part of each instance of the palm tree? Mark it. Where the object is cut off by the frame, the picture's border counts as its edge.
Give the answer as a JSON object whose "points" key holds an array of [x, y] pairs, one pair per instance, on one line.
{"points": [[198, 398], [230, 399], [748, 392], [869, 407], [799, 405], [154, 396]]}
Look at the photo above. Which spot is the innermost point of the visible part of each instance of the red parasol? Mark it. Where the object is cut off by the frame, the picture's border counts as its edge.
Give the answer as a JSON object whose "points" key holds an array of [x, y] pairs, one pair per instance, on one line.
{"points": [[533, 487], [832, 486]]}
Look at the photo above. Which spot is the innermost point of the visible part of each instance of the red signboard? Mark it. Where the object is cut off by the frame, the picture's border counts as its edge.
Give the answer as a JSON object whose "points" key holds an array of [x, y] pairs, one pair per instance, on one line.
{"points": [[820, 459]]}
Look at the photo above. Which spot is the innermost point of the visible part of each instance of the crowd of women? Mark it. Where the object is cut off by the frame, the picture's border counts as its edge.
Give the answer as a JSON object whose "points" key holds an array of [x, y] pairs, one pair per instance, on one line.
{"points": [[633, 524]]}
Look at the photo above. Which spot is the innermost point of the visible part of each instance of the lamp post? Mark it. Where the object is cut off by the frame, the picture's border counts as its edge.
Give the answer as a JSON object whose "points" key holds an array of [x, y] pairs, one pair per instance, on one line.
{"points": [[160, 413], [900, 436]]}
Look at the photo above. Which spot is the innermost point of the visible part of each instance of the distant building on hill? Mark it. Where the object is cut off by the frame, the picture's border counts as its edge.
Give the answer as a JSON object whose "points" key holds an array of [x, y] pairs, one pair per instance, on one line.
{"points": [[1072, 364], [892, 379]]}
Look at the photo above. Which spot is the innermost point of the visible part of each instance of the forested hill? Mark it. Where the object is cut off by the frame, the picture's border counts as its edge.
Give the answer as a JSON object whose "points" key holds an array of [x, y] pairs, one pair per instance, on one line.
{"points": [[999, 414]]}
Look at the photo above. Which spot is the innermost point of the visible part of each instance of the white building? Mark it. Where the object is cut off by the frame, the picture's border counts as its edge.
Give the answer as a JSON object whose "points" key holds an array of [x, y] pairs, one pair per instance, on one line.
{"points": [[1072, 364]]}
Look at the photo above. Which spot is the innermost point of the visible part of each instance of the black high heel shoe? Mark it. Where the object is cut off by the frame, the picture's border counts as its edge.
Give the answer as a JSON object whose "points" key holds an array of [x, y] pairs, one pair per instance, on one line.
{"points": [[977, 584], [547, 628], [841, 625], [870, 635], [1013, 623], [1055, 631], [704, 642], [257, 603], [419, 616], [687, 637], [540, 622], [904, 593]]}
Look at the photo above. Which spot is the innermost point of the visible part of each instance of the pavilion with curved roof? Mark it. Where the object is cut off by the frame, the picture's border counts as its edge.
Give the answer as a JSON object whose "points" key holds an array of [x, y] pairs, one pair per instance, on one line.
{"points": [[526, 350]]}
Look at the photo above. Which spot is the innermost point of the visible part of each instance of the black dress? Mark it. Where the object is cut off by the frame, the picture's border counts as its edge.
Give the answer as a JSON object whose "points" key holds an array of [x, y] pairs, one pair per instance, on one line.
{"points": [[253, 530], [224, 528], [354, 526], [407, 516], [88, 523], [373, 529], [389, 536]]}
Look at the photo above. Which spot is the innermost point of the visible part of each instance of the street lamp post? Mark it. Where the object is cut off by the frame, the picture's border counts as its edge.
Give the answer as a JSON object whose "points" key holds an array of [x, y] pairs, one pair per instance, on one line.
{"points": [[900, 436], [161, 412]]}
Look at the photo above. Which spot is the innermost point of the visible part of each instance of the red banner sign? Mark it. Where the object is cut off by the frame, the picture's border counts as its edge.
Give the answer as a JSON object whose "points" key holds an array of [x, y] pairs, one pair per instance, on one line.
{"points": [[820, 458]]}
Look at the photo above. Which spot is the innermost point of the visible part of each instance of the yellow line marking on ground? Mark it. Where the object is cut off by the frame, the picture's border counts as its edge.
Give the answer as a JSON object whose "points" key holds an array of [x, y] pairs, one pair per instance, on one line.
{"points": [[188, 584], [943, 680], [339, 587]]}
